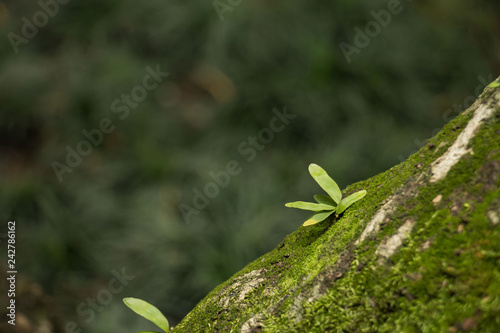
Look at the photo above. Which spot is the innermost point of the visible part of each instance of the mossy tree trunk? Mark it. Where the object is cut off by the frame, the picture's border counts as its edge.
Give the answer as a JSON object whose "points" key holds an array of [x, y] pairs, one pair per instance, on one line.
{"points": [[420, 253]]}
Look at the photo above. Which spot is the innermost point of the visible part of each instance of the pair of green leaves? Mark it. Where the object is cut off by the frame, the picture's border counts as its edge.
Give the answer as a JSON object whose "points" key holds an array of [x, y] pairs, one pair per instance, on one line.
{"points": [[326, 205], [148, 311]]}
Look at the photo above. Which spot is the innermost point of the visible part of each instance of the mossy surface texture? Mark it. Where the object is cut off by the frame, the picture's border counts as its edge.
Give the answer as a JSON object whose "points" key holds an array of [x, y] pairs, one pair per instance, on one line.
{"points": [[445, 277]]}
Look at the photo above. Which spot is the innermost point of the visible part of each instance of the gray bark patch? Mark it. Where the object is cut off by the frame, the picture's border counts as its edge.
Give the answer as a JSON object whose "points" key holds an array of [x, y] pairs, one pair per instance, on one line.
{"points": [[459, 148]]}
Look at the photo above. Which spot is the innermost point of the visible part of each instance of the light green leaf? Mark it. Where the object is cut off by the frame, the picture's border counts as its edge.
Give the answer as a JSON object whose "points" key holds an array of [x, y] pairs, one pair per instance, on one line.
{"points": [[324, 199], [326, 182], [309, 206], [494, 85], [318, 217], [345, 203], [148, 311]]}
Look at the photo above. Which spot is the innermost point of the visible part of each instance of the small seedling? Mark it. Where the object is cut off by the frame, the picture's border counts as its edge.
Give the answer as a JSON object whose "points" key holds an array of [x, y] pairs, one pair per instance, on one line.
{"points": [[148, 311], [326, 205]]}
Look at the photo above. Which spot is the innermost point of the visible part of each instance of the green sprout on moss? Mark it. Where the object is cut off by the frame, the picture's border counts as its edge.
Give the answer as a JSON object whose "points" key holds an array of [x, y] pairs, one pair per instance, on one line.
{"points": [[148, 311], [326, 205]]}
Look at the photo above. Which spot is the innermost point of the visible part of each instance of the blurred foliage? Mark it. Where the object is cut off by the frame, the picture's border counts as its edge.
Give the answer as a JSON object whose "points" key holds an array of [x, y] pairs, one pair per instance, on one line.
{"points": [[119, 208]]}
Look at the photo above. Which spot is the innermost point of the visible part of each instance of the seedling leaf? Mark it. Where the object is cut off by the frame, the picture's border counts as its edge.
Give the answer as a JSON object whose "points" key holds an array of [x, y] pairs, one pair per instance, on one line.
{"points": [[318, 217], [346, 202], [326, 182], [148, 311], [324, 199], [309, 206], [494, 85]]}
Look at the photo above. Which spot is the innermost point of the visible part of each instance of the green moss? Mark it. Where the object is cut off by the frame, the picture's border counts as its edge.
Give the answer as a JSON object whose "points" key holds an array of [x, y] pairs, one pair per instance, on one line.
{"points": [[444, 278], [452, 285]]}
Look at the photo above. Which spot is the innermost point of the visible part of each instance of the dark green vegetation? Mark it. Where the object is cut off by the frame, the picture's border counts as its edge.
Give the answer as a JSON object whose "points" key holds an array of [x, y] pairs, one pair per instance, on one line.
{"points": [[119, 207], [444, 278]]}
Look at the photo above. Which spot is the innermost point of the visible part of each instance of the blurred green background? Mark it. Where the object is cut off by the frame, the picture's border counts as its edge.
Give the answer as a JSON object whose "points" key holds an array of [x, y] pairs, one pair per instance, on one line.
{"points": [[119, 208]]}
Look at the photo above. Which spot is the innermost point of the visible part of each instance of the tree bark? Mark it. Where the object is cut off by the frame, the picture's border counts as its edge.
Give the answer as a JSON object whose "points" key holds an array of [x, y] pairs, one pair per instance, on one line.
{"points": [[420, 252]]}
